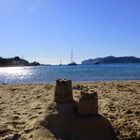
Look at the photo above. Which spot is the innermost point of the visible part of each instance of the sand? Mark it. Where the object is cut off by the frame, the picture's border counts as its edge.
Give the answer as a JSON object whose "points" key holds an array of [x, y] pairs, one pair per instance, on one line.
{"points": [[22, 106]]}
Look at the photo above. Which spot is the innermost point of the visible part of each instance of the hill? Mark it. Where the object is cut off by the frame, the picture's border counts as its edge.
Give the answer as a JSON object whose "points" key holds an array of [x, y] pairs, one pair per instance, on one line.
{"points": [[112, 59], [16, 61]]}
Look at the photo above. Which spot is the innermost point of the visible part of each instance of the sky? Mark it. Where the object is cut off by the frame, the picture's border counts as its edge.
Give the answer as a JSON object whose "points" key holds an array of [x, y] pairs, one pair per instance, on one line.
{"points": [[47, 30]]}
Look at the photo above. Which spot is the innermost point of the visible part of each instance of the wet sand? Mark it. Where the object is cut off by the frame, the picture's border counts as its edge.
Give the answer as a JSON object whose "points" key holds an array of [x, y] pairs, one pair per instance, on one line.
{"points": [[21, 106]]}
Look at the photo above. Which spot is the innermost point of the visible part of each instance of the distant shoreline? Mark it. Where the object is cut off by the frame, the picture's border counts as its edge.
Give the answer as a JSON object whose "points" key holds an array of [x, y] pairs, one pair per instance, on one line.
{"points": [[112, 59], [16, 61], [43, 65]]}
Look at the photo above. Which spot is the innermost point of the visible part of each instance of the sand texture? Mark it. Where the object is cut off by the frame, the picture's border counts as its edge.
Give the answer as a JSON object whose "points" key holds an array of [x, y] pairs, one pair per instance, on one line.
{"points": [[22, 108]]}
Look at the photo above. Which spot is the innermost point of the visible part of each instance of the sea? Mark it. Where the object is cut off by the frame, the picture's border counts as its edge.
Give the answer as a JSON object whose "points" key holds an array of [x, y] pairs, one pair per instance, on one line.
{"points": [[78, 73]]}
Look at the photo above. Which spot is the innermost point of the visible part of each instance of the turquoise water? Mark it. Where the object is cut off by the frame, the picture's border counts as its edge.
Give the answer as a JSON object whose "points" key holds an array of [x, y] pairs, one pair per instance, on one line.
{"points": [[79, 73]]}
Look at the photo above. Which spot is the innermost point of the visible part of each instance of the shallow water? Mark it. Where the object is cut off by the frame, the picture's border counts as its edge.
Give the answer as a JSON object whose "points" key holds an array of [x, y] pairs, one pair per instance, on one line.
{"points": [[79, 73]]}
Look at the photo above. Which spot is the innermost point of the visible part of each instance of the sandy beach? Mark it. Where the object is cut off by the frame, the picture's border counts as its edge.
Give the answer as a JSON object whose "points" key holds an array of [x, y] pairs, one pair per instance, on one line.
{"points": [[21, 106]]}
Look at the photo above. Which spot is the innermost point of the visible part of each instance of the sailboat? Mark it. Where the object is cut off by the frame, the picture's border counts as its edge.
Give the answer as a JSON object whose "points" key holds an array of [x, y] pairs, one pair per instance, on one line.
{"points": [[60, 62], [72, 62]]}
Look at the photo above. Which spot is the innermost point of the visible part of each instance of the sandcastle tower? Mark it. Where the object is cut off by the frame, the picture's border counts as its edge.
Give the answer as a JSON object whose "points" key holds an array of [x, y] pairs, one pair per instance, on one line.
{"points": [[88, 103], [63, 91]]}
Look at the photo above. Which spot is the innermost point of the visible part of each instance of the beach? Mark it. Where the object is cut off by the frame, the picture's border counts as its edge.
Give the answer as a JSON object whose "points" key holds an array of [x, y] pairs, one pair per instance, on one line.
{"points": [[22, 106]]}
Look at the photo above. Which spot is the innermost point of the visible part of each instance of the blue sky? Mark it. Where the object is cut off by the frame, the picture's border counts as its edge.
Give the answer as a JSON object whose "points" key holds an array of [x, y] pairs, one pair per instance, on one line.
{"points": [[45, 30]]}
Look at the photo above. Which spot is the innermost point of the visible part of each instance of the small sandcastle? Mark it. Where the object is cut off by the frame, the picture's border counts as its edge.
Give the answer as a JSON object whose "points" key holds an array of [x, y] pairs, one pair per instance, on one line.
{"points": [[67, 119], [88, 101]]}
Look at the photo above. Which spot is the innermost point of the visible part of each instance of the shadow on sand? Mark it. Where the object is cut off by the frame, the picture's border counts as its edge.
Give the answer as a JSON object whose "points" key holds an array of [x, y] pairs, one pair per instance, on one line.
{"points": [[68, 125]]}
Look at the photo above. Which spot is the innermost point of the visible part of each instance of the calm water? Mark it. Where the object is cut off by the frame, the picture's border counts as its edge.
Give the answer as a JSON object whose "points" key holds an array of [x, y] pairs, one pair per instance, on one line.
{"points": [[48, 74]]}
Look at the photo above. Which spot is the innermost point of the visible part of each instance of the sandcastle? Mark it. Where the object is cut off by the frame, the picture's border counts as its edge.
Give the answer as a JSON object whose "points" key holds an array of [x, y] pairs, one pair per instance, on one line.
{"points": [[67, 119], [88, 102]]}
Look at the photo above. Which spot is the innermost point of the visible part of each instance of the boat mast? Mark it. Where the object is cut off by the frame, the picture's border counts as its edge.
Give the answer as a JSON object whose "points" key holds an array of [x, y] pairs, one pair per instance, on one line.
{"points": [[60, 61], [72, 56]]}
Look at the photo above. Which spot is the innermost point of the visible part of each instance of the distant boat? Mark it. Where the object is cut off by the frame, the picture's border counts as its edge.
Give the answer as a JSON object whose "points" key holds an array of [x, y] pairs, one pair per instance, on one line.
{"points": [[72, 62], [96, 63], [60, 62]]}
